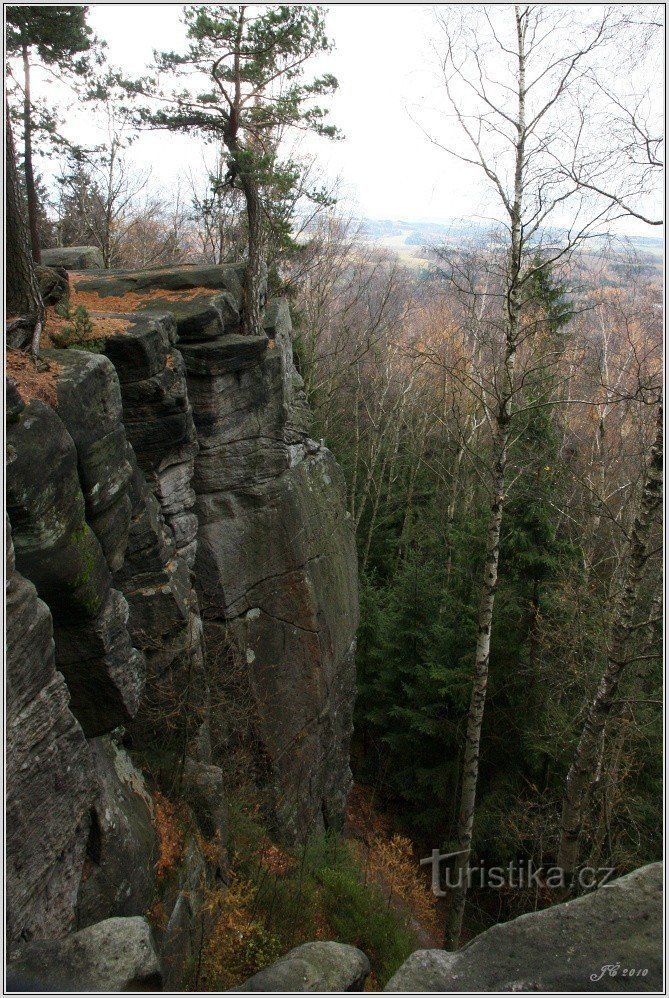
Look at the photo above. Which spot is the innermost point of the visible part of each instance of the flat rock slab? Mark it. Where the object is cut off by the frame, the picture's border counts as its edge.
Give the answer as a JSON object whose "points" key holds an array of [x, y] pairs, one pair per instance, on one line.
{"points": [[317, 966], [590, 944], [115, 955], [225, 277]]}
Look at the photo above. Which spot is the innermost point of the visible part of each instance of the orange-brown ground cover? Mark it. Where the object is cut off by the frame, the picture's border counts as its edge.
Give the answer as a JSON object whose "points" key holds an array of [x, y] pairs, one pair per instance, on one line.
{"points": [[103, 326], [132, 301], [32, 382]]}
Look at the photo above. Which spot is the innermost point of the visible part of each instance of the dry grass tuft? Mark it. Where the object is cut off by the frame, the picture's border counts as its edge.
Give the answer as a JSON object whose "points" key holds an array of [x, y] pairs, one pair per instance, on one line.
{"points": [[237, 945]]}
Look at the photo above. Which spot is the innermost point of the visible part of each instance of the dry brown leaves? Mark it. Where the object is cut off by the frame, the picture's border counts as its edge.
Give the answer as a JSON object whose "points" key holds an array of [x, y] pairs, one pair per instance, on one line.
{"points": [[133, 301], [389, 860], [170, 834], [31, 382], [103, 326], [276, 860]]}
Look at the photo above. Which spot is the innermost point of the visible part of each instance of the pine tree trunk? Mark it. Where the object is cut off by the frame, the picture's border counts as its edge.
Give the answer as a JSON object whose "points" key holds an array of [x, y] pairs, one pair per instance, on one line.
{"points": [[24, 300], [252, 322], [584, 765], [31, 191]]}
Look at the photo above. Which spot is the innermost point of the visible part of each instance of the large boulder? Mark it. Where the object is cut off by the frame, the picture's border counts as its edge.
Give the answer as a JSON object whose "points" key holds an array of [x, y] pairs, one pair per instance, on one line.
{"points": [[118, 954], [73, 257], [50, 782], [53, 284], [609, 940], [120, 874], [317, 966]]}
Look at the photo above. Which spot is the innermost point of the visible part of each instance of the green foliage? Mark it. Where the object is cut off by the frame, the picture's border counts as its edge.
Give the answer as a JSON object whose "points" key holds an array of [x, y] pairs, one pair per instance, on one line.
{"points": [[57, 33], [243, 72], [320, 883], [361, 916], [79, 330], [61, 39], [81, 327], [419, 604]]}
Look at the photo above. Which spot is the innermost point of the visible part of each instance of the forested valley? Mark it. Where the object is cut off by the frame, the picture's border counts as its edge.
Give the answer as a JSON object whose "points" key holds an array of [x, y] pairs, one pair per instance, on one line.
{"points": [[492, 394]]}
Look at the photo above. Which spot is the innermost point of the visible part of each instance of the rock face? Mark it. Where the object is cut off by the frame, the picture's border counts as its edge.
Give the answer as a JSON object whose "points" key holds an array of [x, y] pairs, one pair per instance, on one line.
{"points": [[274, 557], [118, 954], [314, 966], [59, 552], [288, 594], [49, 774], [590, 944], [119, 875], [170, 493]]}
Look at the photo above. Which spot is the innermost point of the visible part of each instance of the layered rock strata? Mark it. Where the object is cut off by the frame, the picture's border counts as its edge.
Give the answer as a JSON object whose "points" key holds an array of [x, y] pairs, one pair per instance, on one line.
{"points": [[169, 491], [50, 781], [275, 562]]}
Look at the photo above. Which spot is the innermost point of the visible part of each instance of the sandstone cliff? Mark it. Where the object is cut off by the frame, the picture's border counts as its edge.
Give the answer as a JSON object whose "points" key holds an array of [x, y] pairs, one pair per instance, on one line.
{"points": [[167, 502]]}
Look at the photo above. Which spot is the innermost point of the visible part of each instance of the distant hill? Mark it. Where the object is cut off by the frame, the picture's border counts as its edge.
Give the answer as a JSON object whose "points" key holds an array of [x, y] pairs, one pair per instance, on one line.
{"points": [[412, 241]]}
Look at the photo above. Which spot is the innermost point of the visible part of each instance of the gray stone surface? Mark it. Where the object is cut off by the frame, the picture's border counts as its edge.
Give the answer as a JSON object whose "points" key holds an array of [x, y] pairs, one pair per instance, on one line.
{"points": [[57, 550], [317, 966], [565, 948], [276, 564], [89, 404], [73, 257], [50, 783], [119, 876], [183, 897], [158, 418], [179, 942], [164, 615], [117, 954], [104, 673]]}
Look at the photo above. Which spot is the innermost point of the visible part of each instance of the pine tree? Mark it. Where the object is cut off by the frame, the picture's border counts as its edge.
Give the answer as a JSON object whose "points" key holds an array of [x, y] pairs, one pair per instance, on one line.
{"points": [[253, 59], [56, 36]]}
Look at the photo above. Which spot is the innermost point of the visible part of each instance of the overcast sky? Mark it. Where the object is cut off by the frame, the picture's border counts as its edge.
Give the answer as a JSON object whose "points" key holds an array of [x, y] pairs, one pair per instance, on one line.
{"points": [[384, 63], [388, 80]]}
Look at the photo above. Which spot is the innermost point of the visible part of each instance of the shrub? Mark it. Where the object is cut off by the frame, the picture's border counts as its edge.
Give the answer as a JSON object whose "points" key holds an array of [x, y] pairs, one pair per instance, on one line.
{"points": [[362, 917]]}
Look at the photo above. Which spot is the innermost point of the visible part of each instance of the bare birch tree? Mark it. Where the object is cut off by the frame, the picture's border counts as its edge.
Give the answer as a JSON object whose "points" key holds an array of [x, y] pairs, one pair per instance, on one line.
{"points": [[511, 79], [584, 767]]}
